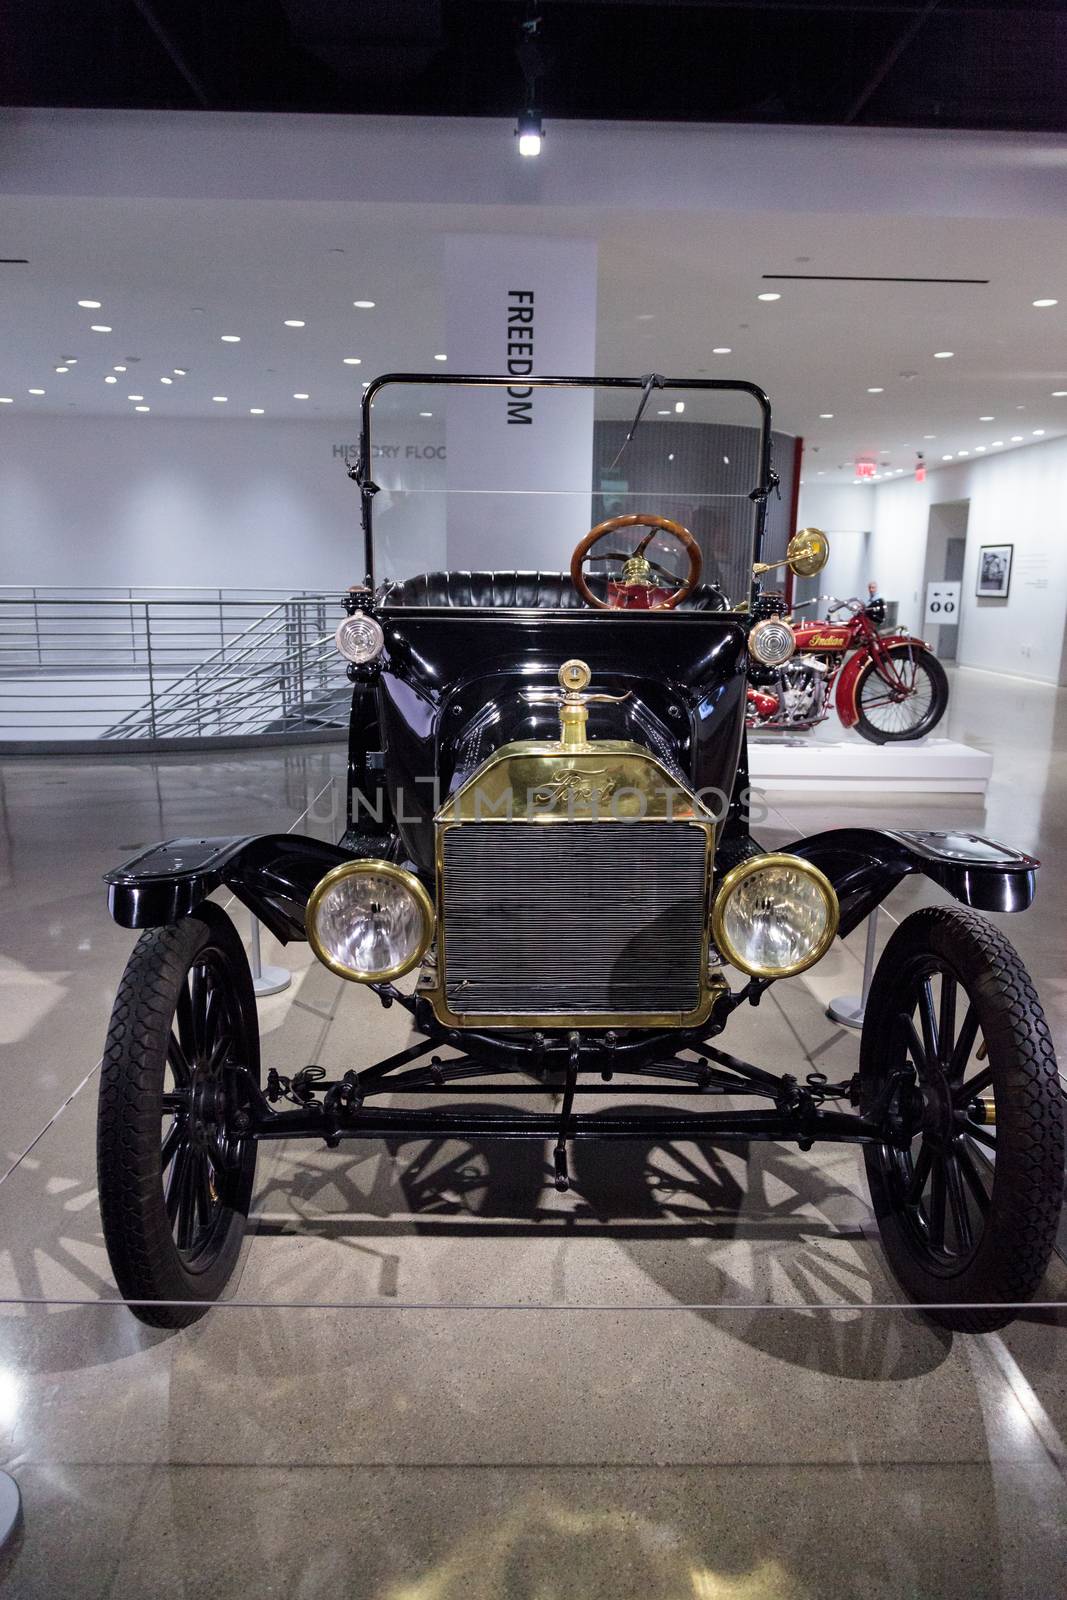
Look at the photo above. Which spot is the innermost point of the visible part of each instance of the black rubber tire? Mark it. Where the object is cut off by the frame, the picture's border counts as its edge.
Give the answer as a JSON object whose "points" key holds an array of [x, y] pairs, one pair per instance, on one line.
{"points": [[138, 1232], [1009, 1254], [925, 661]]}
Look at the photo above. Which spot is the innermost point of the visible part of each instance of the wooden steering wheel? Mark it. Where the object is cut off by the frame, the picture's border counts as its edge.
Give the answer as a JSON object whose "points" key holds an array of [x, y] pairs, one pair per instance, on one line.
{"points": [[638, 519]]}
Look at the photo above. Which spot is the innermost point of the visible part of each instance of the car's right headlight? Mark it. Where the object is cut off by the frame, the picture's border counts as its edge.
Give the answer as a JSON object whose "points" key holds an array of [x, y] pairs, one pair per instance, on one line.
{"points": [[771, 642], [774, 915], [369, 921]]}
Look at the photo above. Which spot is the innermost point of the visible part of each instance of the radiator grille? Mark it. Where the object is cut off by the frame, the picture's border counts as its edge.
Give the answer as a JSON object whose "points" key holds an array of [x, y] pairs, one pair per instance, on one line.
{"points": [[550, 919]]}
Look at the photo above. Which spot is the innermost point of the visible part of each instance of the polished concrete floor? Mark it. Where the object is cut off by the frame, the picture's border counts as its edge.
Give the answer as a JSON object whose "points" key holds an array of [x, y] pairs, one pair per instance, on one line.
{"points": [[436, 1377]]}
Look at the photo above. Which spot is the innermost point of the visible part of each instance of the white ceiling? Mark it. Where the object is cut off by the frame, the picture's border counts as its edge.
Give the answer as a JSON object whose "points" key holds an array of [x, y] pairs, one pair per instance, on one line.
{"points": [[175, 274]]}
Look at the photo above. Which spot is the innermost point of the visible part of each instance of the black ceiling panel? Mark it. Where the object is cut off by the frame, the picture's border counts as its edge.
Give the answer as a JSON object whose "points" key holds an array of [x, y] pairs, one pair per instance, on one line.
{"points": [[904, 63]]}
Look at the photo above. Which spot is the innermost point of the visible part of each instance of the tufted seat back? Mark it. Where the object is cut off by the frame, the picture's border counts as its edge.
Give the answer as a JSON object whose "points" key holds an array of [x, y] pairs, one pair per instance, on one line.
{"points": [[543, 591]]}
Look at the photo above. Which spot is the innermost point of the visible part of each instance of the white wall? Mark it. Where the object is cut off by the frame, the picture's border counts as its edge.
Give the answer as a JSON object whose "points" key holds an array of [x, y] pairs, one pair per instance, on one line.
{"points": [[1018, 498], [238, 503]]}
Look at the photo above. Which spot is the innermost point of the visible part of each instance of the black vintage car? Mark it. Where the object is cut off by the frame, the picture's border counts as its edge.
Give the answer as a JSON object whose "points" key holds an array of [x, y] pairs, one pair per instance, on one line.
{"points": [[549, 842]]}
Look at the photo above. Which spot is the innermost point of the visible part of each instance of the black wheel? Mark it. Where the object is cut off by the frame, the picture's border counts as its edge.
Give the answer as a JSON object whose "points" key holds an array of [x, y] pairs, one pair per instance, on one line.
{"points": [[909, 706], [968, 1194], [174, 1175]]}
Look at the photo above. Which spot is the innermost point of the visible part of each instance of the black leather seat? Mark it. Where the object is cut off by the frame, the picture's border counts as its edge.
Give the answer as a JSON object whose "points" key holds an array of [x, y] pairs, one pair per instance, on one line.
{"points": [[542, 591]]}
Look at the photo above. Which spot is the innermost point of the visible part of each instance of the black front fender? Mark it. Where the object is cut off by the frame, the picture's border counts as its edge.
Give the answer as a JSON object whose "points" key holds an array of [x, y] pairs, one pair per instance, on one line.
{"points": [[864, 864], [271, 873]]}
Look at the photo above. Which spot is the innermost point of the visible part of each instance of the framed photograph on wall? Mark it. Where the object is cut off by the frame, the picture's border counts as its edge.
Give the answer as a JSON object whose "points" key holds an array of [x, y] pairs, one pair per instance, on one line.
{"points": [[994, 571]]}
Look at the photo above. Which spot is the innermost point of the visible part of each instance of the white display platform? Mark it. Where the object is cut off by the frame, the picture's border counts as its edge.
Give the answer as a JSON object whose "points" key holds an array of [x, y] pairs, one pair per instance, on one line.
{"points": [[795, 764]]}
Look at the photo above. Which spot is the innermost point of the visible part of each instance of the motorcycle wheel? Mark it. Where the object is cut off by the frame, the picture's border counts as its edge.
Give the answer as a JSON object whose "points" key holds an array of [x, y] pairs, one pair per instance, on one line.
{"points": [[174, 1173], [968, 1193], [885, 720]]}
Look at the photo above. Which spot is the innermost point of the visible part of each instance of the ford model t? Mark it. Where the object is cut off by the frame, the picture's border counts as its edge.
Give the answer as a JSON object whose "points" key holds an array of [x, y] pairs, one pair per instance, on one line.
{"points": [[549, 866]]}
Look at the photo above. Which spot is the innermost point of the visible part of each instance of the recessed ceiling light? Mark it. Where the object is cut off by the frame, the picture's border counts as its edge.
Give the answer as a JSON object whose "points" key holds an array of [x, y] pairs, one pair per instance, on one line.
{"points": [[944, 355], [821, 473], [946, 458], [366, 383], [6, 400], [987, 419], [142, 408], [929, 435], [440, 358], [876, 391], [220, 399], [100, 327], [768, 297], [135, 397], [230, 338], [645, 316], [679, 406], [1058, 394], [825, 416], [997, 443], [979, 449], [301, 396], [363, 305], [1038, 433], [111, 378], [1016, 438], [72, 361], [36, 391], [1045, 302], [166, 380], [722, 350], [353, 361], [671, 456], [90, 305], [180, 372], [898, 470], [425, 413], [963, 452], [62, 369], [293, 322], [255, 411], [663, 413]]}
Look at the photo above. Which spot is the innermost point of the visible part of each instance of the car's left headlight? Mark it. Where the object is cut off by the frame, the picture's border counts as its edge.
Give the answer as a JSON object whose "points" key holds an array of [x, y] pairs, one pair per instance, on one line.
{"points": [[360, 639], [774, 915], [369, 921]]}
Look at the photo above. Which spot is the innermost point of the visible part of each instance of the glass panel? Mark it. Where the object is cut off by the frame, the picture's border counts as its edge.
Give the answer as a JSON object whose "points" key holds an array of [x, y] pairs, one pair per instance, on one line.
{"points": [[471, 478]]}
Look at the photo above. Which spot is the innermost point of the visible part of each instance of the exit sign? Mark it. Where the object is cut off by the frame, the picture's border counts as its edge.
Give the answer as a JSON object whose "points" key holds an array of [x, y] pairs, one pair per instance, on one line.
{"points": [[865, 469]]}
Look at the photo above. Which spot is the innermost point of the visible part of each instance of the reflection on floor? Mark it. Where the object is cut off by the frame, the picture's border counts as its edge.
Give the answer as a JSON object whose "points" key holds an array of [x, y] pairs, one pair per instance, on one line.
{"points": [[503, 1439]]}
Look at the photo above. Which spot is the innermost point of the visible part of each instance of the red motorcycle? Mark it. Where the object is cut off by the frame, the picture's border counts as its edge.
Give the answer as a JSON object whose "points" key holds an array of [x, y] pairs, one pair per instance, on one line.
{"points": [[888, 686]]}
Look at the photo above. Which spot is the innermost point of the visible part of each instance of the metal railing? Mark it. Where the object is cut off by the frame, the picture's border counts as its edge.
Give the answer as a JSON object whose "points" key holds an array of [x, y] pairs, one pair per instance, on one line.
{"points": [[140, 664]]}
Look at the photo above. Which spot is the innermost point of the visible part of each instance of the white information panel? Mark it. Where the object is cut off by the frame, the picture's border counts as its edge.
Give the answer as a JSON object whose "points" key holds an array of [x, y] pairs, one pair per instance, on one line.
{"points": [[943, 602]]}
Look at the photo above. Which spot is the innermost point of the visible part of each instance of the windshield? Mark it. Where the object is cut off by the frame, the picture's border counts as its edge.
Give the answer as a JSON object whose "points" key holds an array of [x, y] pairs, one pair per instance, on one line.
{"points": [[462, 474]]}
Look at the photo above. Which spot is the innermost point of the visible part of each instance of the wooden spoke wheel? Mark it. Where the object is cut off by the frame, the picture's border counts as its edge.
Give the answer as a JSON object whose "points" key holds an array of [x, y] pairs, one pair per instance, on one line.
{"points": [[175, 1172], [968, 1192]]}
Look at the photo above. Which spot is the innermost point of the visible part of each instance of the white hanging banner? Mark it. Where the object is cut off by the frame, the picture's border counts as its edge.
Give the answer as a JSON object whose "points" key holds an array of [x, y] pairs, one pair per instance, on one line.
{"points": [[519, 306]]}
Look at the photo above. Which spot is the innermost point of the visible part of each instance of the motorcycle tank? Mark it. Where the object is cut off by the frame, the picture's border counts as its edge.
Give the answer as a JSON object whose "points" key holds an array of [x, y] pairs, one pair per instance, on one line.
{"points": [[456, 684]]}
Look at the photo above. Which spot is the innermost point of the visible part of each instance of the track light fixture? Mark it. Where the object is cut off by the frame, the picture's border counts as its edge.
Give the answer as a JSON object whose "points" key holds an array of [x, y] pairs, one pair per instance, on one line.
{"points": [[529, 133]]}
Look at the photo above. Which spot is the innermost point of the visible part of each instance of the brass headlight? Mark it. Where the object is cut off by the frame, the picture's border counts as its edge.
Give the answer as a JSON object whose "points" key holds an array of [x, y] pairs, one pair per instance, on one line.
{"points": [[369, 921], [774, 915]]}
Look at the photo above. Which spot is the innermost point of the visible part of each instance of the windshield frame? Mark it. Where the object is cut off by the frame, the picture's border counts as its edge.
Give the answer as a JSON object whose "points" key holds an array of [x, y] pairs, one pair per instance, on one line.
{"points": [[759, 493]]}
